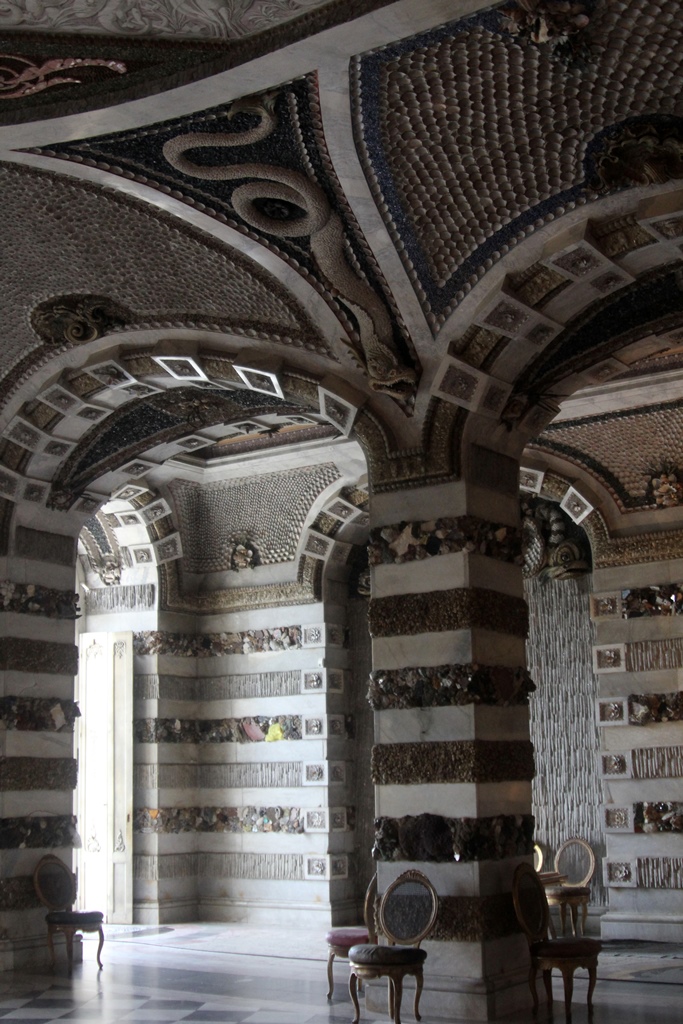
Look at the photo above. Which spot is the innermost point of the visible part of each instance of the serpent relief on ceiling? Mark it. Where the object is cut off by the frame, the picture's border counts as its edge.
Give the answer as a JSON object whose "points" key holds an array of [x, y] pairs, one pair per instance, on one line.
{"points": [[472, 137], [260, 165]]}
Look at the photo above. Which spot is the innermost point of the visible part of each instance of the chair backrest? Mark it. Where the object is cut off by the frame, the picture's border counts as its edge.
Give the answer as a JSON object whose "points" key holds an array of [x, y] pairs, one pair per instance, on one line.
{"points": [[408, 909], [538, 858], [54, 883], [369, 910], [576, 860], [531, 904]]}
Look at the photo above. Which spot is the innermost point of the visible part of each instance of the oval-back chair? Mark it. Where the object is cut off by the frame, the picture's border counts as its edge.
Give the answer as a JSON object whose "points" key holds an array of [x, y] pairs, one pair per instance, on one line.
{"points": [[407, 913]]}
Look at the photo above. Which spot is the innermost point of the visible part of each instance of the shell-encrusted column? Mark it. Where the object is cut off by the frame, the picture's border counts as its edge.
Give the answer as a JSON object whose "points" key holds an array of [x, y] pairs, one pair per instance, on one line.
{"points": [[452, 761], [638, 611], [38, 771]]}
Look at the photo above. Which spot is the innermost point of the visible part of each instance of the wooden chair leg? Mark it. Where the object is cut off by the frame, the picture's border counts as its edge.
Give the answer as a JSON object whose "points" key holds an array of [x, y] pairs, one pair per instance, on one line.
{"points": [[592, 978], [573, 915], [51, 946], [99, 948], [390, 997], [563, 916], [330, 975], [568, 978], [398, 993], [532, 986], [548, 982], [584, 915], [353, 983], [419, 981], [69, 937]]}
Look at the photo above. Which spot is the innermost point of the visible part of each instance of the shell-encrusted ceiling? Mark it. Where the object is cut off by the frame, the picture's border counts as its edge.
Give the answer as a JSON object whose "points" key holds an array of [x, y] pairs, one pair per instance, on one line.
{"points": [[624, 451], [471, 139], [72, 237], [269, 510]]}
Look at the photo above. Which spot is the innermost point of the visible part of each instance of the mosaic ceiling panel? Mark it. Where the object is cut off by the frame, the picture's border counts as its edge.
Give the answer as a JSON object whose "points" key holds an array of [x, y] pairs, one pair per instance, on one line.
{"points": [[79, 238], [473, 139], [627, 451], [261, 165], [267, 510]]}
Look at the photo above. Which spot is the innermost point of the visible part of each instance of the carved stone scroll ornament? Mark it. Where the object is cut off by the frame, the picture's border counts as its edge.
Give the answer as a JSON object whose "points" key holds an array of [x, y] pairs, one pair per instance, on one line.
{"points": [[648, 152], [286, 204], [77, 319], [554, 547], [21, 77]]}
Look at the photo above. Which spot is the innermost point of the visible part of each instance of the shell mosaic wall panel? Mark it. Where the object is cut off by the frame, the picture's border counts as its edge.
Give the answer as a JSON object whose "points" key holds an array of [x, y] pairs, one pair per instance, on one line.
{"points": [[406, 764], [219, 819], [261, 775], [462, 170], [209, 516]]}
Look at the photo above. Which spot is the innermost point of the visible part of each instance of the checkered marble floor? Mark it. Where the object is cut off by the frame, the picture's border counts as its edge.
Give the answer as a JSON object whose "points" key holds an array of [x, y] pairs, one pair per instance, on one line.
{"points": [[163, 982]]}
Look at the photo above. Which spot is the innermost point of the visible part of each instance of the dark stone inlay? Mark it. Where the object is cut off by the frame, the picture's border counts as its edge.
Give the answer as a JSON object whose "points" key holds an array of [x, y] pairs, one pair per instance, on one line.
{"points": [[26, 773], [39, 832], [21, 655], [206, 645], [449, 685], [441, 610], [411, 764], [38, 714], [474, 918], [431, 837], [645, 708]]}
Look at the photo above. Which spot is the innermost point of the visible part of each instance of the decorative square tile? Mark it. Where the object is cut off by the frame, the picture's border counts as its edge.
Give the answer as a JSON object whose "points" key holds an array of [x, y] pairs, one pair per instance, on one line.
{"points": [[531, 479], [575, 505], [260, 380], [609, 658], [337, 410], [111, 375], [181, 367]]}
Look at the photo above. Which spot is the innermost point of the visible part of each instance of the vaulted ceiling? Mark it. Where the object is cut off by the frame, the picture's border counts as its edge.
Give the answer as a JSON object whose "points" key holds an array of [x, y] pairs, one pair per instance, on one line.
{"points": [[425, 212]]}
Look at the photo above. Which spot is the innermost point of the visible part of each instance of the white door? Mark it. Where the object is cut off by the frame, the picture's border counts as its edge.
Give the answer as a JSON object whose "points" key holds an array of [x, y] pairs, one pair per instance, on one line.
{"points": [[104, 741]]}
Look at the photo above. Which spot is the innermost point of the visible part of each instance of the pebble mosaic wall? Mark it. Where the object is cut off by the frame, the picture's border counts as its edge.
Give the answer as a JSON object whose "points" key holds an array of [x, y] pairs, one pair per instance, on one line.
{"points": [[409, 764], [218, 819], [20, 655], [662, 816], [447, 685], [645, 708], [38, 714], [18, 893], [407, 542], [33, 599], [430, 837], [25, 773], [253, 729], [207, 645], [439, 611], [474, 918], [39, 832], [657, 762], [659, 872]]}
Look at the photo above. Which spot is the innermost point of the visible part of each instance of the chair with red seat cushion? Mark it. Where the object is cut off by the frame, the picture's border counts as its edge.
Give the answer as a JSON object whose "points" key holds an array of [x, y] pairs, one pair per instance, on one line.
{"points": [[567, 954], [55, 887], [340, 940]]}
